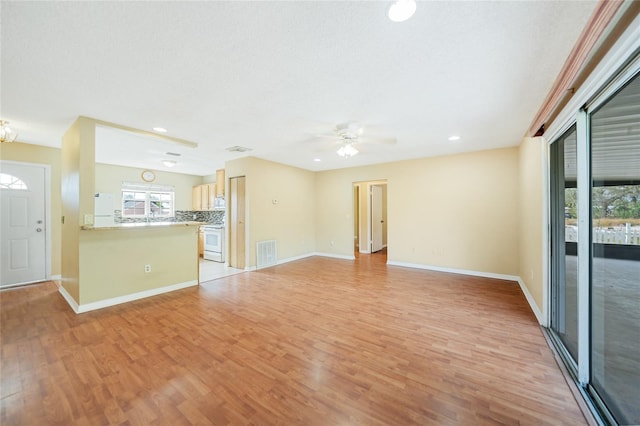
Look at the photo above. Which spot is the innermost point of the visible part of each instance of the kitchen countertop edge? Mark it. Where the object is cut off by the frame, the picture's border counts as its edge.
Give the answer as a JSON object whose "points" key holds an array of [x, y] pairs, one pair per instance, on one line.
{"points": [[141, 225]]}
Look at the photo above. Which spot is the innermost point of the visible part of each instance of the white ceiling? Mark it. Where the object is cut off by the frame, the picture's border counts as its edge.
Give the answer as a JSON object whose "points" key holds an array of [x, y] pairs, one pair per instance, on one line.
{"points": [[272, 75]]}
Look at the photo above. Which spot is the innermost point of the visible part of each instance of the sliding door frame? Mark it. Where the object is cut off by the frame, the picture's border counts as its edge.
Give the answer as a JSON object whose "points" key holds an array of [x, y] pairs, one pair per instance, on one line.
{"points": [[615, 82], [583, 181]]}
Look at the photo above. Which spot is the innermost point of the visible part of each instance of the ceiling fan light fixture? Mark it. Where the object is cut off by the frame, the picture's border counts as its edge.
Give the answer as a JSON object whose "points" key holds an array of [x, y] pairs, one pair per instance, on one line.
{"points": [[401, 10], [347, 150]]}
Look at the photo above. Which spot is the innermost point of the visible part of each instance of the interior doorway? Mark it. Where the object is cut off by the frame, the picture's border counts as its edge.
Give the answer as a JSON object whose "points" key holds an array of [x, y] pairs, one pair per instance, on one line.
{"points": [[370, 217]]}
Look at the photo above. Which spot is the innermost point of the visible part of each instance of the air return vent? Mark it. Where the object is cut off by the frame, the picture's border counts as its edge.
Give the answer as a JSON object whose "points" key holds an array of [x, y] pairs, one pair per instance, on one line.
{"points": [[266, 254], [238, 149]]}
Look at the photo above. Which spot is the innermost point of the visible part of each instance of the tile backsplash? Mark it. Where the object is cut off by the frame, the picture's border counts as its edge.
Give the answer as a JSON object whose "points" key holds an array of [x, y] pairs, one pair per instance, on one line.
{"points": [[216, 216]]}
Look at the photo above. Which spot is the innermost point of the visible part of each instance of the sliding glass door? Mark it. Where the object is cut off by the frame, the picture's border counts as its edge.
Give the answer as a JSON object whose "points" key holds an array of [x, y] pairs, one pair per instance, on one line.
{"points": [[615, 267], [595, 248], [564, 238]]}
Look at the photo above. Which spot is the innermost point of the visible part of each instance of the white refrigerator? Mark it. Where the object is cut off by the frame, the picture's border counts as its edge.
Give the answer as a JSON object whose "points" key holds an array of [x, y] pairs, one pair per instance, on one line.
{"points": [[103, 210]]}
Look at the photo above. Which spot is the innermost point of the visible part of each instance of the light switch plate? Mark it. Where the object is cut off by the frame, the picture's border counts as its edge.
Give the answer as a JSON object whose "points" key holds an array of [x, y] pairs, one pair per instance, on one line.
{"points": [[88, 219]]}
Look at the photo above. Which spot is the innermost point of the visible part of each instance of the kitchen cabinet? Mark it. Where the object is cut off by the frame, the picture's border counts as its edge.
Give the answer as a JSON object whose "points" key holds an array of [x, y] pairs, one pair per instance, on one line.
{"points": [[204, 197], [196, 198], [200, 197], [211, 189], [220, 183]]}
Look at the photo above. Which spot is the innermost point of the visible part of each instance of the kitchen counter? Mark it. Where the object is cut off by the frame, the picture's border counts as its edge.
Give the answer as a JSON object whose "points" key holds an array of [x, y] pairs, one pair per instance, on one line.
{"points": [[133, 260], [141, 225]]}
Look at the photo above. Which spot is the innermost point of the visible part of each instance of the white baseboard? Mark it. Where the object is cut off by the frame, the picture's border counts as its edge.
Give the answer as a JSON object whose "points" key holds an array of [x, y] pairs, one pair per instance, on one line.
{"points": [[55, 278], [335, 256], [455, 270], [63, 291], [294, 258], [78, 309], [532, 303], [304, 256], [523, 287]]}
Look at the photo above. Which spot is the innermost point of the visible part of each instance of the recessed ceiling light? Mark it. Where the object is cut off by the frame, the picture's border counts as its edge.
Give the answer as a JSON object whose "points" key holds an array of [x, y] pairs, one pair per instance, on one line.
{"points": [[401, 10], [169, 163], [317, 160], [160, 129], [454, 138]]}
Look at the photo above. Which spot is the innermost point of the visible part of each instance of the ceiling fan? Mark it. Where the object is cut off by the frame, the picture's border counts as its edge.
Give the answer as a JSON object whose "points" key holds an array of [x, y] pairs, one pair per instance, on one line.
{"points": [[347, 135]]}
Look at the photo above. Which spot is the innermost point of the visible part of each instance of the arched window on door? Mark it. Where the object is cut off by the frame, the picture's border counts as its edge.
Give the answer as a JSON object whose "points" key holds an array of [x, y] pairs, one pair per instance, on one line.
{"points": [[8, 181]]}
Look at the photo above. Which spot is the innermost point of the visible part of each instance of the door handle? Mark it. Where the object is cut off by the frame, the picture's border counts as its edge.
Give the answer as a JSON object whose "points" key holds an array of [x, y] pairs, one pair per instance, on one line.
{"points": [[38, 229], [39, 222]]}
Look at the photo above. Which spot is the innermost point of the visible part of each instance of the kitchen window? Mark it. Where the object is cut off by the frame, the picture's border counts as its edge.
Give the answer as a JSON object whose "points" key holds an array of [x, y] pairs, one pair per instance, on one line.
{"points": [[147, 201]]}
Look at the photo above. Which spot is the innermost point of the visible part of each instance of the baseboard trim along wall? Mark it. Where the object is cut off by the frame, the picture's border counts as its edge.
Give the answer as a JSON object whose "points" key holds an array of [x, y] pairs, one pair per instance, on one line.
{"points": [[79, 309], [294, 258], [63, 291], [523, 287], [532, 303], [335, 256], [304, 256]]}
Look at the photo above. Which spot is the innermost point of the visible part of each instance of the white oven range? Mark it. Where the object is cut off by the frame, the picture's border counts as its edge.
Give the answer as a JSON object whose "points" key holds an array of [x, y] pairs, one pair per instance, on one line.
{"points": [[213, 236]]}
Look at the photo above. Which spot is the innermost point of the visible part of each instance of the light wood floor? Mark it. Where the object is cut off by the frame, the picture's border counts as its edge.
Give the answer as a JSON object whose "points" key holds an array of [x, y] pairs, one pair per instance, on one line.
{"points": [[314, 342]]}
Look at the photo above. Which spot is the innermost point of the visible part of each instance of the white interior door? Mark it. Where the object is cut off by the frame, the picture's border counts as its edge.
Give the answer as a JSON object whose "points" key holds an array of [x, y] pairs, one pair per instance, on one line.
{"points": [[376, 218], [22, 217]]}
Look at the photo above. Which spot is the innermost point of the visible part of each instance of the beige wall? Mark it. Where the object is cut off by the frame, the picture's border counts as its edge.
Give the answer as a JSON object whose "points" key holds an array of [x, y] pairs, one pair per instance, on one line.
{"points": [[533, 160], [459, 211], [112, 261], [78, 162], [209, 178], [290, 221], [109, 179], [479, 211], [50, 156], [334, 207]]}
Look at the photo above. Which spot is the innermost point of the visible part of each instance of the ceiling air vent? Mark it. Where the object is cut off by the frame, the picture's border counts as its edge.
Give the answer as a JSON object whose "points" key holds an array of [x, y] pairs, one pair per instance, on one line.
{"points": [[175, 154], [238, 149]]}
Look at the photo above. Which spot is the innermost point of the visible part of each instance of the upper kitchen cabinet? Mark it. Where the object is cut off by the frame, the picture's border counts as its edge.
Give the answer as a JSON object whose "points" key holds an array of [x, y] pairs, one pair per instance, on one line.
{"points": [[220, 183], [196, 198], [204, 197], [212, 188]]}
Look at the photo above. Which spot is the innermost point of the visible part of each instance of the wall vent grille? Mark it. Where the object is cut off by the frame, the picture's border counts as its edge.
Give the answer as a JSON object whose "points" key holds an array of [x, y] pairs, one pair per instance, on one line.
{"points": [[238, 148], [266, 254]]}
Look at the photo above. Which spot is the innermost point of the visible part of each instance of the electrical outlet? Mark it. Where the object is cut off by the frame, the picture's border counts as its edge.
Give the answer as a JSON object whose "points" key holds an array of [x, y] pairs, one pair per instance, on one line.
{"points": [[88, 219], [147, 269]]}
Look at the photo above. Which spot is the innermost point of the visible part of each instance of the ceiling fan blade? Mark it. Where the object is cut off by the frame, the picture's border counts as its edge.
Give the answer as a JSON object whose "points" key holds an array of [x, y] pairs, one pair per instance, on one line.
{"points": [[378, 141], [319, 139]]}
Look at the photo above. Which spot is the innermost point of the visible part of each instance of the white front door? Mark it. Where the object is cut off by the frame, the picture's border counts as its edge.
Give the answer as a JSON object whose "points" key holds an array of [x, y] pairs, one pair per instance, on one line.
{"points": [[22, 217], [376, 218]]}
